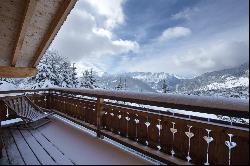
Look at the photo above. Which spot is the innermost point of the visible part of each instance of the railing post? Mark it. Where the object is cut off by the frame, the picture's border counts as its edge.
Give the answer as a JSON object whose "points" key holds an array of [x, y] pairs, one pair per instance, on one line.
{"points": [[99, 114], [48, 101]]}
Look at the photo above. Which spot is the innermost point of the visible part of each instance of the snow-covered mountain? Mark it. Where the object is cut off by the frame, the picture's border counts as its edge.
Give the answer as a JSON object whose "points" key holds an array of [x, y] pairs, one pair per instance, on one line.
{"points": [[55, 71], [227, 78], [233, 82], [80, 68], [154, 80], [107, 81], [229, 82]]}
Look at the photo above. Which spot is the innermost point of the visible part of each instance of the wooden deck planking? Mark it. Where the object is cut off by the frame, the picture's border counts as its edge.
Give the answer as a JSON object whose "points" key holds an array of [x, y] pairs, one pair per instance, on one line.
{"points": [[58, 143], [43, 156], [12, 151], [4, 160], [30, 147], [86, 149], [27, 154], [57, 155]]}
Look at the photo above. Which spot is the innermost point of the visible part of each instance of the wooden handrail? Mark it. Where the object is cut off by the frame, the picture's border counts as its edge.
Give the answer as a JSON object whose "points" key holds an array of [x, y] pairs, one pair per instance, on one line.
{"points": [[202, 104], [22, 91], [210, 105]]}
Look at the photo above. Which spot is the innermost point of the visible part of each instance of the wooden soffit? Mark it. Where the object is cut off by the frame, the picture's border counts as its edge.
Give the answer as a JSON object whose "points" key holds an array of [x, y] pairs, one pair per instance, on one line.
{"points": [[27, 27]]}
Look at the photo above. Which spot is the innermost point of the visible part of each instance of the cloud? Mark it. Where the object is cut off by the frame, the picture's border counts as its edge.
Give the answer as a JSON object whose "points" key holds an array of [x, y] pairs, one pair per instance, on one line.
{"points": [[201, 37], [187, 14], [219, 40], [84, 37], [191, 61], [217, 56], [111, 9], [174, 33]]}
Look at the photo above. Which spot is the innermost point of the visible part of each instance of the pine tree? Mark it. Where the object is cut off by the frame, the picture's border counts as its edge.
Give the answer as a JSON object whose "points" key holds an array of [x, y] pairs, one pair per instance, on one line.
{"points": [[84, 79], [57, 63], [66, 75], [45, 75], [75, 81], [164, 87], [125, 84], [53, 70], [92, 79], [88, 80], [9, 80], [120, 85]]}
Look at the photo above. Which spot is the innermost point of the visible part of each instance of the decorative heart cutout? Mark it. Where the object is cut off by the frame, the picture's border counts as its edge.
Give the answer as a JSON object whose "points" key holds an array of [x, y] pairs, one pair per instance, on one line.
{"points": [[127, 118], [173, 130], [172, 152], [208, 139], [188, 158], [189, 134], [230, 145], [147, 124], [159, 127], [137, 121]]}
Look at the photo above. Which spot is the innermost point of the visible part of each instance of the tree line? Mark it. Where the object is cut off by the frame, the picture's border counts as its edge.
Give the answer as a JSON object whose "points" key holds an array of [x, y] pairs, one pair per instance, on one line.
{"points": [[57, 71]]}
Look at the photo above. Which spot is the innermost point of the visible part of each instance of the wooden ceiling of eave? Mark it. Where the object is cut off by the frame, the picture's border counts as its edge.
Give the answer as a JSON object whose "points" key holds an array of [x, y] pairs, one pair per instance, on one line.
{"points": [[27, 27]]}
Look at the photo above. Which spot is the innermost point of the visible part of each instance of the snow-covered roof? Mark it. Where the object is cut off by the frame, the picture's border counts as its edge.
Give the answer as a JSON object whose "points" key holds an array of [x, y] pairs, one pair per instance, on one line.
{"points": [[26, 31]]}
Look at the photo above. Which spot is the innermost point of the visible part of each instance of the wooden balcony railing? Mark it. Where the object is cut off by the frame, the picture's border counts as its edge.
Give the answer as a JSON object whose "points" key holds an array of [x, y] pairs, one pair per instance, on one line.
{"points": [[148, 123]]}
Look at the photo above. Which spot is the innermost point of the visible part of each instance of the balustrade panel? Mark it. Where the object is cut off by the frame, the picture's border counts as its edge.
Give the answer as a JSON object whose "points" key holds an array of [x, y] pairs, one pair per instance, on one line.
{"points": [[195, 140]]}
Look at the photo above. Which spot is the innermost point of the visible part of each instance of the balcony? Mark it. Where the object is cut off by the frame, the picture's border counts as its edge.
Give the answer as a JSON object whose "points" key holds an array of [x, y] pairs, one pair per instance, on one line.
{"points": [[157, 128]]}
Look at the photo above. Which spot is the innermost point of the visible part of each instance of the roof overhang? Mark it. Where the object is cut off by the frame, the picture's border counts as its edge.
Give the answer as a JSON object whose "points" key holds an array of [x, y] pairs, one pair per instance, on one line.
{"points": [[27, 27]]}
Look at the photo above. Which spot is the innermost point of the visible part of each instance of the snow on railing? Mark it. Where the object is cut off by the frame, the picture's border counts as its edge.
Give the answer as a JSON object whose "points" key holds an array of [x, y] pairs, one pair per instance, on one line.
{"points": [[202, 104]]}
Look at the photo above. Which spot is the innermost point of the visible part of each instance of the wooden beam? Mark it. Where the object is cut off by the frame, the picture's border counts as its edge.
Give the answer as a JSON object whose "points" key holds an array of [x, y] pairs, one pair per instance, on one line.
{"points": [[17, 72], [54, 27], [29, 10]]}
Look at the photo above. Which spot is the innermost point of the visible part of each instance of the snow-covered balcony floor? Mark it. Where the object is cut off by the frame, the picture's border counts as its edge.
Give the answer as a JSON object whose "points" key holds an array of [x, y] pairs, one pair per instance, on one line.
{"points": [[59, 143]]}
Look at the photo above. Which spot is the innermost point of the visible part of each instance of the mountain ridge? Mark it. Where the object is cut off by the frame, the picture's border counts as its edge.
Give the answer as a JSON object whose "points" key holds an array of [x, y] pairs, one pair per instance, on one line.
{"points": [[227, 79]]}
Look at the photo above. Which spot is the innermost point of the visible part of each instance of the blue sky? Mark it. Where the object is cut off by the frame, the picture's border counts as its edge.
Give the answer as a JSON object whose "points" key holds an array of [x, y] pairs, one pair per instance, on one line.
{"points": [[183, 37], [146, 19]]}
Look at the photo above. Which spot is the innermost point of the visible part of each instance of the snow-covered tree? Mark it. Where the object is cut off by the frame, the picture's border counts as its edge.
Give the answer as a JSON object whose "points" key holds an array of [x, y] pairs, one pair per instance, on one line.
{"points": [[92, 78], [75, 81], [119, 85], [164, 87], [54, 70], [46, 75], [7, 84], [88, 79], [66, 74], [8, 80], [125, 84], [84, 82]]}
